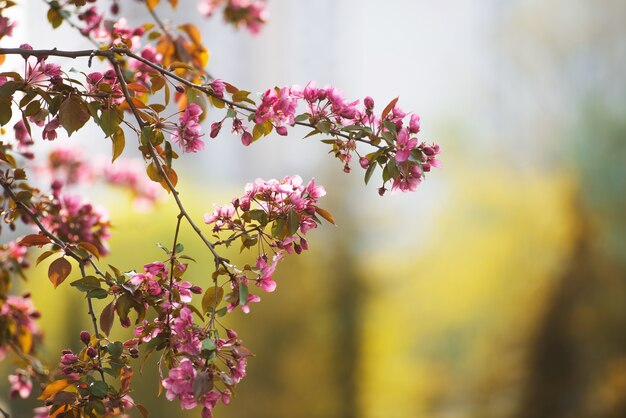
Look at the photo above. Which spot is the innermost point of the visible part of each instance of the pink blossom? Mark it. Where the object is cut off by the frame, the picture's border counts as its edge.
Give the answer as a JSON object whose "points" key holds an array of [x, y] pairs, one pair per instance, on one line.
{"points": [[21, 385], [404, 145], [408, 182], [6, 27], [42, 73], [414, 124], [179, 384], [42, 412], [187, 133], [21, 134], [49, 131]]}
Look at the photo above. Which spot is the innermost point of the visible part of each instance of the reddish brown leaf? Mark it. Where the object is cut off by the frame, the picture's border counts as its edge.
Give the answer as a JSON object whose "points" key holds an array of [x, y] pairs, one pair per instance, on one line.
{"points": [[34, 239], [106, 318], [142, 410], [59, 270], [388, 108]]}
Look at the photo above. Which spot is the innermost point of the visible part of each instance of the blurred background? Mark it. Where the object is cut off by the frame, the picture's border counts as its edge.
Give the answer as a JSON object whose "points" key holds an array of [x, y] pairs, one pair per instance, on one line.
{"points": [[497, 290]]}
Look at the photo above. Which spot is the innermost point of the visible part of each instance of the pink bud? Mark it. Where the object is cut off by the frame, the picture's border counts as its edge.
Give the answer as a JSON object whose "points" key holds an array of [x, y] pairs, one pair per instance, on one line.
{"points": [[364, 162], [85, 337], [381, 191], [231, 334], [369, 103], [246, 138], [91, 352], [215, 129], [281, 130], [195, 289]]}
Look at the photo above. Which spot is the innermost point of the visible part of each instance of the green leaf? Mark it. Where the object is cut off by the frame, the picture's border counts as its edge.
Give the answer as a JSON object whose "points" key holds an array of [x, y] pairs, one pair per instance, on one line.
{"points": [[110, 120], [5, 111], [324, 126], [303, 117], [98, 388], [55, 18], [370, 170], [98, 294], [73, 114], [8, 88], [294, 222], [243, 294], [86, 284], [115, 349], [118, 142], [212, 297], [124, 305]]}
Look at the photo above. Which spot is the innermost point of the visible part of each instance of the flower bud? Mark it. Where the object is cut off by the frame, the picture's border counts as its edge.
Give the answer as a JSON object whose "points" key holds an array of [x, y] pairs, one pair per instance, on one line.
{"points": [[364, 162], [428, 151], [246, 138], [215, 129], [180, 89], [68, 359], [382, 190], [231, 334], [85, 337], [91, 352], [369, 103], [195, 289], [281, 130]]}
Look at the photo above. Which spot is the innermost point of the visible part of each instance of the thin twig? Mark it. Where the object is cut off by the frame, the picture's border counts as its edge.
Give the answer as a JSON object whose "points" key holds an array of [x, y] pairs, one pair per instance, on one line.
{"points": [[94, 322]]}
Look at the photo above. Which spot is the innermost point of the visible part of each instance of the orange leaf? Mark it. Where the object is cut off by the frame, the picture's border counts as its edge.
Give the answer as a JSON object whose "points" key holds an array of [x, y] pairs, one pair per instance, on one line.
{"points": [[53, 388], [152, 4], [326, 215], [91, 248], [59, 270], [388, 108], [140, 88], [34, 239], [194, 34]]}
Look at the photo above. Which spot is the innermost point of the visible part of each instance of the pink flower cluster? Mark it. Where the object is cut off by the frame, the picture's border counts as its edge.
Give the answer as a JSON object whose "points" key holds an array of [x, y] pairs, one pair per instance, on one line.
{"points": [[106, 84], [13, 256], [289, 206], [188, 132], [278, 107], [195, 381], [74, 221], [330, 113], [252, 14], [41, 73], [207, 366]]}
